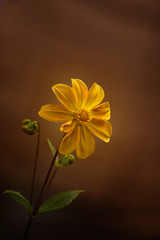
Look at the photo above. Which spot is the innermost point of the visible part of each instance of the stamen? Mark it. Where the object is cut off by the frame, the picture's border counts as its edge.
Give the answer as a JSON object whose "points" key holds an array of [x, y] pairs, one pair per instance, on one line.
{"points": [[82, 116]]}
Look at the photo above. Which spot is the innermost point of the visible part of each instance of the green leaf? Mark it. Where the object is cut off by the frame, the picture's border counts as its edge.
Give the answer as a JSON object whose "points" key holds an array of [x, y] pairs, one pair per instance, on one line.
{"points": [[59, 201], [19, 198], [53, 150]]}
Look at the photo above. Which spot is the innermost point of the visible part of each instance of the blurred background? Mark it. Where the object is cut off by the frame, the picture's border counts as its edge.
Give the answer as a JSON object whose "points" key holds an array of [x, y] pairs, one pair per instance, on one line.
{"points": [[116, 44]]}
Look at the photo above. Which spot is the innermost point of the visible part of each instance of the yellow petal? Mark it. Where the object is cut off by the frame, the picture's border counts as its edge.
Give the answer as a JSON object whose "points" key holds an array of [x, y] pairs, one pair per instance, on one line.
{"points": [[68, 126], [101, 128], [70, 141], [95, 96], [65, 95], [101, 111], [81, 91], [86, 144], [55, 113]]}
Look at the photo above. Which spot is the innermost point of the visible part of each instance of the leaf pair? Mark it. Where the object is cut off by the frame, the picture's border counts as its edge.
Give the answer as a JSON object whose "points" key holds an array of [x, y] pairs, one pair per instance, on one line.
{"points": [[56, 202]]}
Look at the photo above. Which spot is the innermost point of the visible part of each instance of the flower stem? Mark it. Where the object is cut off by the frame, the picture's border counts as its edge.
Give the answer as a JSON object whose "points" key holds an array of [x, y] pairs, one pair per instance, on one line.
{"points": [[43, 190], [35, 166], [44, 186], [27, 228], [50, 182]]}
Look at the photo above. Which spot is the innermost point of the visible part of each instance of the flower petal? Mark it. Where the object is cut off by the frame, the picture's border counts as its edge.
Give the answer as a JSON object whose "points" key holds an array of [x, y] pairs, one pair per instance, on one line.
{"points": [[86, 144], [101, 111], [81, 91], [95, 96], [101, 128], [55, 113], [68, 126], [65, 95], [70, 141]]}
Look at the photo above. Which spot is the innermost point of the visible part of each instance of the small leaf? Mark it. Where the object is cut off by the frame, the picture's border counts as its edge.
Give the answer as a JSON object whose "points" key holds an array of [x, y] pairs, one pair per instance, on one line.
{"points": [[19, 198], [59, 201], [53, 150]]}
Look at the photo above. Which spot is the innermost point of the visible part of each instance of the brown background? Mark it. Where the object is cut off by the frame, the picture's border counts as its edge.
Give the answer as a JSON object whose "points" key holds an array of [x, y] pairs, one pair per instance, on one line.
{"points": [[116, 44]]}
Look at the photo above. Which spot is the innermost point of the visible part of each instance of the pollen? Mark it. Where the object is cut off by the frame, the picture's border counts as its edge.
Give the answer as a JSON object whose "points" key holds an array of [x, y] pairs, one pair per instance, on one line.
{"points": [[82, 116]]}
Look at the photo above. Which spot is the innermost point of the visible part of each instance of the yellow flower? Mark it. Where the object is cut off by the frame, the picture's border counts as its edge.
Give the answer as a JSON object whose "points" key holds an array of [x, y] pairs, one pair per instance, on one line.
{"points": [[83, 116]]}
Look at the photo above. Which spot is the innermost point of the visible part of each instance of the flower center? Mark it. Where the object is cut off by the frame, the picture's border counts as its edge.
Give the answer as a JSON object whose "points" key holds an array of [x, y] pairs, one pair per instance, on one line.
{"points": [[82, 116]]}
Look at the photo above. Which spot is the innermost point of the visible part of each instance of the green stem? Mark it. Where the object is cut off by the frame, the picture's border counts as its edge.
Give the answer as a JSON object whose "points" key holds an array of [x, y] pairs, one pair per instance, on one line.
{"points": [[40, 198], [44, 189], [44, 185], [27, 228], [35, 166], [50, 182]]}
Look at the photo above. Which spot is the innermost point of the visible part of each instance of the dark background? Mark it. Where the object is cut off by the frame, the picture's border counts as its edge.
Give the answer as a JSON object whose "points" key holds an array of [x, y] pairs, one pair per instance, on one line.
{"points": [[116, 44]]}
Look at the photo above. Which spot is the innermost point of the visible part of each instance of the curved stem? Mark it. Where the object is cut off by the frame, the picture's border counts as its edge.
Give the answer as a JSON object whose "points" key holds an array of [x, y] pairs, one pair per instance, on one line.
{"points": [[35, 166]]}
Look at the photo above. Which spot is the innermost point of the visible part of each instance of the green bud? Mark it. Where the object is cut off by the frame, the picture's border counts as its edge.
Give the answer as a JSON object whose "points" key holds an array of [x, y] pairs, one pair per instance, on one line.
{"points": [[65, 161], [30, 127], [26, 121]]}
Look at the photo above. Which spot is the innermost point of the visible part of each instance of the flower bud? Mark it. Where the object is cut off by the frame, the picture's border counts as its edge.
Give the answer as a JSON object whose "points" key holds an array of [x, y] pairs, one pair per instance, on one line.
{"points": [[30, 127], [65, 161]]}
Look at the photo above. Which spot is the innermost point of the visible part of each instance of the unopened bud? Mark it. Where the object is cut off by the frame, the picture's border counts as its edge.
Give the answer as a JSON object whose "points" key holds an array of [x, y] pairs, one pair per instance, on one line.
{"points": [[65, 161], [30, 127]]}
